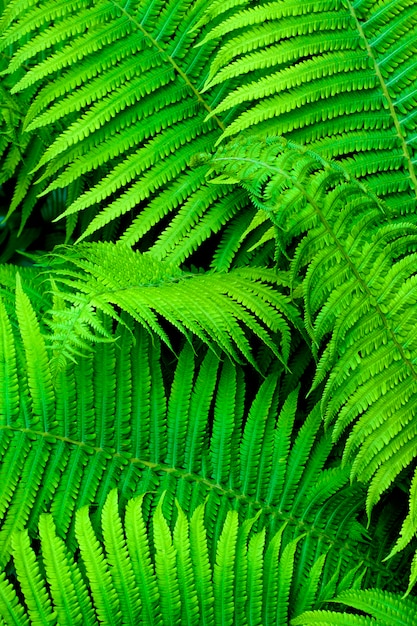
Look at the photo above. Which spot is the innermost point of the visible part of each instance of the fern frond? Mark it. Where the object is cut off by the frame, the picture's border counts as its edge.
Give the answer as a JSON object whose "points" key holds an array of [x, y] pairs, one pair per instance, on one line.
{"points": [[185, 389], [239, 550], [357, 268], [332, 75], [116, 92], [81, 460], [218, 307], [385, 608]]}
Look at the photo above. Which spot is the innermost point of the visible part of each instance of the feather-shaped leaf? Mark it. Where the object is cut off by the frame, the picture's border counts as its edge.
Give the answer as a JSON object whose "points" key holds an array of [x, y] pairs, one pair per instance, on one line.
{"points": [[216, 307], [335, 75], [357, 267]]}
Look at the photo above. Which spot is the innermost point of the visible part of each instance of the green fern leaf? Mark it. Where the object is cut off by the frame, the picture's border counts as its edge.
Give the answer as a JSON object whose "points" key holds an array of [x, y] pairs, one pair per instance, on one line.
{"points": [[69, 592], [117, 556], [13, 611], [385, 608], [37, 599], [214, 307], [330, 74], [139, 553], [224, 571], [201, 563], [39, 376], [165, 569], [224, 456], [119, 86], [255, 578], [186, 575], [238, 565], [357, 269], [104, 594], [8, 396]]}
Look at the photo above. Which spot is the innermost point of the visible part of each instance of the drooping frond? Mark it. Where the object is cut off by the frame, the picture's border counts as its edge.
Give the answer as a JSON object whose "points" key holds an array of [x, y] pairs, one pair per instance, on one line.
{"points": [[220, 308], [358, 273], [337, 75]]}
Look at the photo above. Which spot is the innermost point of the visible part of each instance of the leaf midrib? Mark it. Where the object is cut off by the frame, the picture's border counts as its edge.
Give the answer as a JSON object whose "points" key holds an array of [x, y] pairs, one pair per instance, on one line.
{"points": [[342, 545]]}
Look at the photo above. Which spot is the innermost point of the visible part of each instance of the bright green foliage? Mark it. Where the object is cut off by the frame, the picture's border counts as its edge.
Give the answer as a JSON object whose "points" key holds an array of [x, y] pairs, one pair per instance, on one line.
{"points": [[208, 320], [357, 272], [165, 443], [335, 74], [212, 306], [387, 609], [82, 459], [109, 102], [114, 90], [103, 561]]}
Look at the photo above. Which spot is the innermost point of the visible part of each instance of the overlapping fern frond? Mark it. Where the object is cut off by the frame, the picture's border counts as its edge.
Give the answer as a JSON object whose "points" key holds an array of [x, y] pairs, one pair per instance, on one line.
{"points": [[124, 417], [337, 75], [358, 272], [223, 309], [192, 391], [385, 609], [111, 95], [109, 102]]}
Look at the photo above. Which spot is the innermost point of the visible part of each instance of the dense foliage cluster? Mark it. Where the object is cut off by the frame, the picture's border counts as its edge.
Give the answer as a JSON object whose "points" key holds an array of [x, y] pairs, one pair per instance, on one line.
{"points": [[208, 347]]}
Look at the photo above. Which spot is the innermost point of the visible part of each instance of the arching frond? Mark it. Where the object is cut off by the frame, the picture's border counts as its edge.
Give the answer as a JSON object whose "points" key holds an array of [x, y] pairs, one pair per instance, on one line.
{"points": [[219, 308], [386, 609], [107, 103], [357, 268]]}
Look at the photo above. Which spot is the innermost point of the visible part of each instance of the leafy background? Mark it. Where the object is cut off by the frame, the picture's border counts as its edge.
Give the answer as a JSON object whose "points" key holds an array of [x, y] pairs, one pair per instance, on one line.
{"points": [[208, 351]]}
